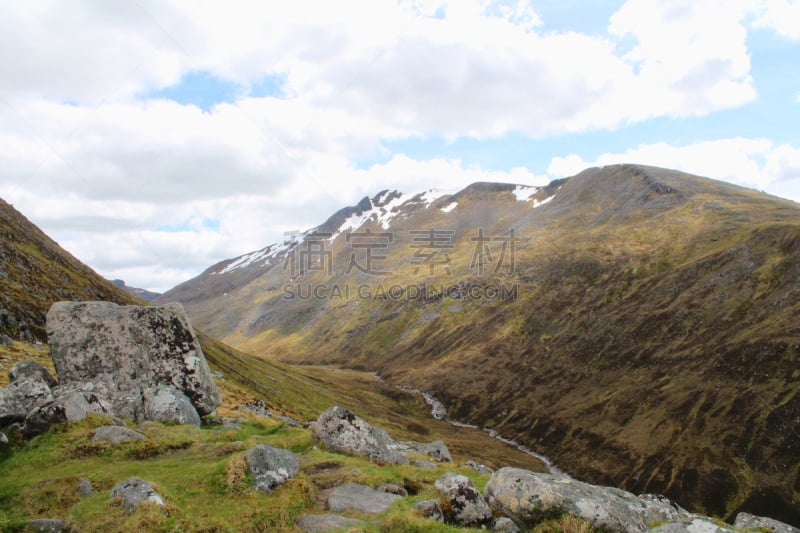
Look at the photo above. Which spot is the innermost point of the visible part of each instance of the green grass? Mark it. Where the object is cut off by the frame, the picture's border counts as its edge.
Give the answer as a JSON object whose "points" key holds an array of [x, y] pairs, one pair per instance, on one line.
{"points": [[201, 475]]}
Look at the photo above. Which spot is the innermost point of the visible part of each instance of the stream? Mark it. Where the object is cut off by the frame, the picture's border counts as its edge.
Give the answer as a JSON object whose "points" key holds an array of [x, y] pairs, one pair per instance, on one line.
{"points": [[439, 412]]}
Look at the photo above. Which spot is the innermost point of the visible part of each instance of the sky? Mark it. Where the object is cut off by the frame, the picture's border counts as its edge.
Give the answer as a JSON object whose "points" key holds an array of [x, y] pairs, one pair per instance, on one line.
{"points": [[154, 138]]}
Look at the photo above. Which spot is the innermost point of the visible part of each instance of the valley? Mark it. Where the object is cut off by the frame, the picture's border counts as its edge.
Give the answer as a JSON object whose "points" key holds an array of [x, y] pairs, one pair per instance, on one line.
{"points": [[649, 340]]}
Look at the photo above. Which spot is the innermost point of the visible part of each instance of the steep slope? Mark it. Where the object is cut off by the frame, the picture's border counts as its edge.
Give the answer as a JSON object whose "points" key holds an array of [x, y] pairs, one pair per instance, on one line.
{"points": [[35, 272], [645, 333]]}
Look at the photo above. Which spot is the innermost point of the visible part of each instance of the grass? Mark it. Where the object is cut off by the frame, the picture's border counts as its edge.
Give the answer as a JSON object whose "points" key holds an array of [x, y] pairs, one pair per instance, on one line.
{"points": [[201, 473]]}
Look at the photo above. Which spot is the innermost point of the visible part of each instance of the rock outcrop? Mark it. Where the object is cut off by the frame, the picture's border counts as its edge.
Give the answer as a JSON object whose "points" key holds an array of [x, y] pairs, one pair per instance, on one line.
{"points": [[270, 467], [125, 350]]}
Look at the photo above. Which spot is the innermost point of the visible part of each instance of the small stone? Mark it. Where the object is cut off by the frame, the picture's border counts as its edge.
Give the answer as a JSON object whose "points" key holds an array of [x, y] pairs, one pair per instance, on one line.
{"points": [[478, 467], [85, 488], [430, 509], [422, 463], [134, 491], [270, 467], [48, 525], [505, 525], [391, 488]]}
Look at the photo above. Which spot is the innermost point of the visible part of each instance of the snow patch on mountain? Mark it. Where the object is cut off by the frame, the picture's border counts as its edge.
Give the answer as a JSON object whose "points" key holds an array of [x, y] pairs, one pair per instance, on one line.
{"points": [[450, 207], [383, 213], [264, 255], [523, 193], [537, 203]]}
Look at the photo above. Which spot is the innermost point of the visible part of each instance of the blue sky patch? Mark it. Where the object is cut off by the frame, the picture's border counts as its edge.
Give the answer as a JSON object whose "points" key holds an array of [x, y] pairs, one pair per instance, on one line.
{"points": [[201, 89]]}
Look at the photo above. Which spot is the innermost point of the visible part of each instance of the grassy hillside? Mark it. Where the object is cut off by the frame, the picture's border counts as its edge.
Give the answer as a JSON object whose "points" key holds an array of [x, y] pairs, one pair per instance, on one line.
{"points": [[198, 471], [35, 272], [652, 341]]}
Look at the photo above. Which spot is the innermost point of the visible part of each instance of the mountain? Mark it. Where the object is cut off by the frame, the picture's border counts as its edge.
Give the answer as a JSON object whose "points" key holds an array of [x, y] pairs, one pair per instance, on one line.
{"points": [[637, 325], [144, 294], [35, 272]]}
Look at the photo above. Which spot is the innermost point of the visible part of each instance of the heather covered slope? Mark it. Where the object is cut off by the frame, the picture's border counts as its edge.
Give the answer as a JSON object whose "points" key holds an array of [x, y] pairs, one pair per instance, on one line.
{"points": [[651, 340], [35, 272]]}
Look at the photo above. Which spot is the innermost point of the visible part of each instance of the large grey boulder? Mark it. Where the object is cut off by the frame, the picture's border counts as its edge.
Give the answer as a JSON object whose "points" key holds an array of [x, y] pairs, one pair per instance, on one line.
{"points": [[116, 434], [749, 521], [355, 496], [461, 502], [168, 404], [270, 467], [342, 431], [134, 491], [124, 350], [321, 523], [528, 498], [28, 388]]}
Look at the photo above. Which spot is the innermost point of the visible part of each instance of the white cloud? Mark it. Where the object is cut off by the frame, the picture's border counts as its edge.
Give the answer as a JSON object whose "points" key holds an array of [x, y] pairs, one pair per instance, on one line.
{"points": [[755, 163], [782, 16], [83, 154]]}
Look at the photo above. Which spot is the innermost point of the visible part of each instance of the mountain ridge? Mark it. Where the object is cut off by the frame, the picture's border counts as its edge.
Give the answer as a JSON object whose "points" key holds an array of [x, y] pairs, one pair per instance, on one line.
{"points": [[653, 325]]}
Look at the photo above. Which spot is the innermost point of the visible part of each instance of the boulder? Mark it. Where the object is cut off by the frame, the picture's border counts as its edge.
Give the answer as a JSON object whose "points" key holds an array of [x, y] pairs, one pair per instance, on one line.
{"points": [[68, 406], [31, 370], [134, 491], [528, 498], [321, 523], [342, 431], [270, 467], [355, 496], [693, 524], [29, 386], [430, 509], [748, 521], [436, 449], [116, 434], [461, 503], [124, 350], [168, 404]]}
